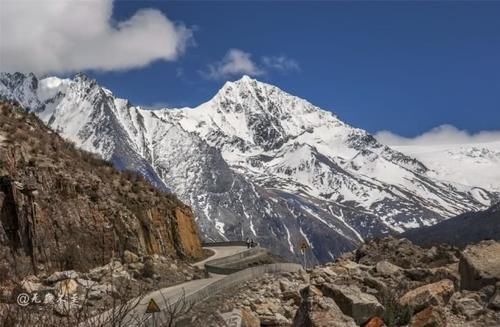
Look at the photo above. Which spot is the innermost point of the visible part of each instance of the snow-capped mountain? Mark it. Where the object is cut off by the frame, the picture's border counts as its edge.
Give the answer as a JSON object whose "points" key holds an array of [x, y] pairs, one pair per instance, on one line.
{"points": [[472, 164], [255, 162]]}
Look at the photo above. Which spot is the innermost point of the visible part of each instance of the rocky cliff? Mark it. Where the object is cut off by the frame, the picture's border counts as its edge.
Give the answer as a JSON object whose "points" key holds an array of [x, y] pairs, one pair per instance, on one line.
{"points": [[62, 208]]}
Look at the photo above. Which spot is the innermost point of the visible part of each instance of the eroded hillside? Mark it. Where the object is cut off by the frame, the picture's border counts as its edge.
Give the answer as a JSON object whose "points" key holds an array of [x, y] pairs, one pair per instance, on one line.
{"points": [[63, 208]]}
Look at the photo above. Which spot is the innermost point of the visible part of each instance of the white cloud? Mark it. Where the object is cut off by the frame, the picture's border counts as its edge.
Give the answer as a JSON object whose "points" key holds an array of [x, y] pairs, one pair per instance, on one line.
{"points": [[444, 134], [281, 63], [67, 36], [235, 62]]}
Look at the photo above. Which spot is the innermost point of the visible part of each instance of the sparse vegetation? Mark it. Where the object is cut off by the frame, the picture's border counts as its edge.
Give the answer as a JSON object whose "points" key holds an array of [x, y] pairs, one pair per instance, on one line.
{"points": [[78, 189]]}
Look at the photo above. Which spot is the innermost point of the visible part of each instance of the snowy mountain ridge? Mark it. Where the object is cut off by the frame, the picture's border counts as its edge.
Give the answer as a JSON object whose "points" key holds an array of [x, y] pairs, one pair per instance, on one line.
{"points": [[255, 161]]}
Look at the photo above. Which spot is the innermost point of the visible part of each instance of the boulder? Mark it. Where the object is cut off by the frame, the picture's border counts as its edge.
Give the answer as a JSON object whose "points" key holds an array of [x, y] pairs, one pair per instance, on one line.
{"points": [[386, 268], [62, 275], [375, 322], [353, 302], [66, 287], [291, 295], [468, 306], [31, 284], [318, 311], [284, 285], [479, 265], [130, 257], [275, 320], [431, 294], [85, 283], [494, 302], [248, 319], [429, 317], [65, 308]]}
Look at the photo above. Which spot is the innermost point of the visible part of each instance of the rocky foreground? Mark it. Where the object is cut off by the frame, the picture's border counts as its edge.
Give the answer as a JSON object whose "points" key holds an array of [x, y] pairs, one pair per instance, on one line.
{"points": [[386, 282]]}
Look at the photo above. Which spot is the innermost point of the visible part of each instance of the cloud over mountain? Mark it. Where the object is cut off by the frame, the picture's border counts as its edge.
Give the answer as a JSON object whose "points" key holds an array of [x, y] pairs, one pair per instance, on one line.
{"points": [[65, 36], [237, 62], [444, 134]]}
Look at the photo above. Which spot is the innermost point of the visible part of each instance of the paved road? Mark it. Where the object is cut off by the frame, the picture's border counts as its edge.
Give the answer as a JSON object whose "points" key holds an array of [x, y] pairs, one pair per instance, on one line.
{"points": [[220, 252], [168, 296]]}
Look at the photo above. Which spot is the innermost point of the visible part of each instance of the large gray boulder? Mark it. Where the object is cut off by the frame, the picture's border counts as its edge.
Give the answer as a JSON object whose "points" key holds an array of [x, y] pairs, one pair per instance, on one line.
{"points": [[479, 265], [354, 302], [319, 311]]}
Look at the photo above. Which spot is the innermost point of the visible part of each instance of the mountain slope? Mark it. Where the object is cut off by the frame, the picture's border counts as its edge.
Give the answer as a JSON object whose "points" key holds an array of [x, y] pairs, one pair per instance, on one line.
{"points": [[255, 162], [467, 228], [62, 208], [473, 164]]}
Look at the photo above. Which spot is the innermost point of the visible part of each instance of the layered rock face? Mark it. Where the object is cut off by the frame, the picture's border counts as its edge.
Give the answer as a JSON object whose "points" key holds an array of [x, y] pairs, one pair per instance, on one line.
{"points": [[62, 208]]}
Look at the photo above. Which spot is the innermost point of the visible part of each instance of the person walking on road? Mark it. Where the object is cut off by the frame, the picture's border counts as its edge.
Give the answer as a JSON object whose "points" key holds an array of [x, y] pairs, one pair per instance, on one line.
{"points": [[248, 243]]}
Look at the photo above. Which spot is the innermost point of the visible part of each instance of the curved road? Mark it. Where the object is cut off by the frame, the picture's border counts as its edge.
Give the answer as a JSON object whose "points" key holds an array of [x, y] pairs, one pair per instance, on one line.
{"points": [[169, 295], [220, 252]]}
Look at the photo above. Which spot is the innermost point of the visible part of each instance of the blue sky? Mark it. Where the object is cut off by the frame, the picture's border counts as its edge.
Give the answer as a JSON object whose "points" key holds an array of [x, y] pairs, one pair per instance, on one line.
{"points": [[405, 67]]}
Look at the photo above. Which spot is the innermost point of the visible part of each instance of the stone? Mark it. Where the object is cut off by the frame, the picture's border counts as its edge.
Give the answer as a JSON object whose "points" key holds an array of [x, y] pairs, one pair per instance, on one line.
{"points": [[318, 311], [429, 317], [65, 308], [375, 283], [137, 266], [353, 302], [494, 302], [291, 295], [31, 284], [85, 283], [304, 276], [479, 265], [431, 294], [284, 285], [62, 275], [275, 320], [319, 280], [130, 257], [375, 322], [386, 268], [66, 287], [418, 274], [326, 272], [468, 307], [248, 319]]}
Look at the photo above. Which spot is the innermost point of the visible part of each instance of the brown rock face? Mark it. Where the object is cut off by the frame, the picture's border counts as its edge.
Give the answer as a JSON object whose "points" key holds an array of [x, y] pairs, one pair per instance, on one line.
{"points": [[429, 317], [188, 232], [430, 294], [480, 265], [62, 208]]}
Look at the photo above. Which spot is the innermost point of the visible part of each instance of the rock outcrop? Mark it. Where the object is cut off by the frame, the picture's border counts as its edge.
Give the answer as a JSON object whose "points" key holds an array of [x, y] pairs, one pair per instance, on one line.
{"points": [[480, 265], [62, 208]]}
